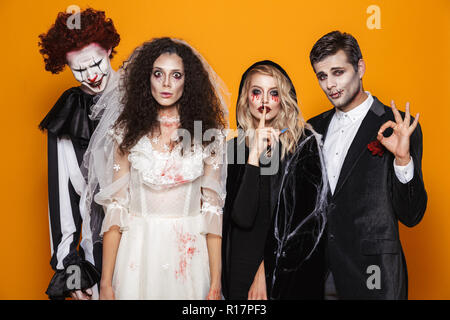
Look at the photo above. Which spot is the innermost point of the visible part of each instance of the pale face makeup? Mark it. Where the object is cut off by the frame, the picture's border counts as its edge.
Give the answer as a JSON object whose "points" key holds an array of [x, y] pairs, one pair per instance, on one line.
{"points": [[263, 90], [340, 82], [167, 79], [91, 67]]}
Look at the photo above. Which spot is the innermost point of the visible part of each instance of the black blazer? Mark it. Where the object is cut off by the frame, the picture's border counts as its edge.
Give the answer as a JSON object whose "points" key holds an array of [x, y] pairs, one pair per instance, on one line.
{"points": [[363, 215]]}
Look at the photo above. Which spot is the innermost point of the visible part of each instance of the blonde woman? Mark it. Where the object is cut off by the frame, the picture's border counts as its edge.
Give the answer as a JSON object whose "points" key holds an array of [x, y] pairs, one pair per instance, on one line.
{"points": [[274, 212]]}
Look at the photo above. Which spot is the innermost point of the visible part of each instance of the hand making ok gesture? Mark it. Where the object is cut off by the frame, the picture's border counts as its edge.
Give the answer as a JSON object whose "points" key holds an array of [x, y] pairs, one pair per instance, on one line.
{"points": [[398, 142]]}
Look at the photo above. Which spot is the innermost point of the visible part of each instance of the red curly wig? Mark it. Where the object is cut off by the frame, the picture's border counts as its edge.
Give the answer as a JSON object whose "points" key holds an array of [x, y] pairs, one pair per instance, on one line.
{"points": [[60, 40]]}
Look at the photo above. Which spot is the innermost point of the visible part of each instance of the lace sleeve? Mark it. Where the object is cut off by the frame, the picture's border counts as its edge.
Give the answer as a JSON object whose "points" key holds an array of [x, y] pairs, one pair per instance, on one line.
{"points": [[213, 185], [115, 197]]}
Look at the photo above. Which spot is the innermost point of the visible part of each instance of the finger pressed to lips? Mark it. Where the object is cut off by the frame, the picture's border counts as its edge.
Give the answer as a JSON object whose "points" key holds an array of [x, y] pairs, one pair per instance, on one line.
{"points": [[262, 119], [261, 109]]}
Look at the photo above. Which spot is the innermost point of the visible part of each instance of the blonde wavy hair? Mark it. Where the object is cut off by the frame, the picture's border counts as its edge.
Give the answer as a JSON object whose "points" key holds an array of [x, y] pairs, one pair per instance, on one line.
{"points": [[288, 117]]}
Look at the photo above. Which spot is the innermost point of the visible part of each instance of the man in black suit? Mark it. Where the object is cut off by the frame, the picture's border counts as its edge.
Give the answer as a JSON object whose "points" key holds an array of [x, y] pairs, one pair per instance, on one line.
{"points": [[373, 157]]}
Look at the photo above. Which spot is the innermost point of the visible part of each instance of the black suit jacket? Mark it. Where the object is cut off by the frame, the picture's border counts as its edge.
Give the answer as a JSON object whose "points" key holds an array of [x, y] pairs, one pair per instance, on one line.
{"points": [[369, 200]]}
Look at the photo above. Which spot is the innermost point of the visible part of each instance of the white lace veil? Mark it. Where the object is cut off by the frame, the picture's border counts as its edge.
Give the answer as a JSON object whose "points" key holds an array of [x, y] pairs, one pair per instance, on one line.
{"points": [[98, 160]]}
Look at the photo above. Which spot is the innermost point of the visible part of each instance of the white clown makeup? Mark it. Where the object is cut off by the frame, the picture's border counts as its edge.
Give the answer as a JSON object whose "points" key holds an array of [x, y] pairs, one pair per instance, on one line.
{"points": [[167, 79], [91, 67], [263, 91]]}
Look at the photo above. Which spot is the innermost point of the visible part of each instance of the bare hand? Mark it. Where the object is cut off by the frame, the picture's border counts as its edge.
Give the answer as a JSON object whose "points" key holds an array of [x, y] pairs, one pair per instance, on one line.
{"points": [[81, 295], [214, 293], [264, 136], [107, 293], [398, 142], [258, 290]]}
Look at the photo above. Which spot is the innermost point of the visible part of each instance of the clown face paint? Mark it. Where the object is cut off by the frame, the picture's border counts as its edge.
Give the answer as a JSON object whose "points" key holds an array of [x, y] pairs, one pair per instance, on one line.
{"points": [[263, 90], [167, 79], [91, 67]]}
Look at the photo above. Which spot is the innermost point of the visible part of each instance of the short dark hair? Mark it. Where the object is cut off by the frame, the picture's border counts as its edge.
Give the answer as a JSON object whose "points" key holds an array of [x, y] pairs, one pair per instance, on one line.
{"points": [[331, 43]]}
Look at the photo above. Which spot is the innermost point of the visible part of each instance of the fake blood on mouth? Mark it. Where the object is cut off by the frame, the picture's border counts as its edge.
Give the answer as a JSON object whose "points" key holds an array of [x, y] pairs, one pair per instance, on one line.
{"points": [[96, 84], [336, 95]]}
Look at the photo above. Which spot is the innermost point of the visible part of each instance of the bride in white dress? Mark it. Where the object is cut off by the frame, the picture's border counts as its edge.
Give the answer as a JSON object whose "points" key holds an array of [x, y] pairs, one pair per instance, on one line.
{"points": [[162, 194]]}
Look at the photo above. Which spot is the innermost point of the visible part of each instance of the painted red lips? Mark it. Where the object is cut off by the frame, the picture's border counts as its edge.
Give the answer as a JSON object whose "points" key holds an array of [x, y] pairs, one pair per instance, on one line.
{"points": [[261, 109], [97, 83]]}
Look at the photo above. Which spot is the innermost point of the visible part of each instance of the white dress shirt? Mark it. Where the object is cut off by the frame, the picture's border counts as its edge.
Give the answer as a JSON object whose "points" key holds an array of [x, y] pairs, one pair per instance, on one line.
{"points": [[341, 132]]}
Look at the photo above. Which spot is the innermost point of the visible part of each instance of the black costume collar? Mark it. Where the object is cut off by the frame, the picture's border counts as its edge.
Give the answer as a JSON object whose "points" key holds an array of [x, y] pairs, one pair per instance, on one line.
{"points": [[70, 115]]}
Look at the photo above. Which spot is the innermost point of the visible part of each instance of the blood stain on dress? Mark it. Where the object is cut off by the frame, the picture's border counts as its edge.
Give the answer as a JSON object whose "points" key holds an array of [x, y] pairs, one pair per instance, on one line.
{"points": [[133, 266], [180, 179], [186, 249]]}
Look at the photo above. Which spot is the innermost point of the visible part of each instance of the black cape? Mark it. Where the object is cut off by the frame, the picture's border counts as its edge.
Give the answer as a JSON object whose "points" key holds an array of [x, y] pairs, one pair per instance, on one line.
{"points": [[275, 218]]}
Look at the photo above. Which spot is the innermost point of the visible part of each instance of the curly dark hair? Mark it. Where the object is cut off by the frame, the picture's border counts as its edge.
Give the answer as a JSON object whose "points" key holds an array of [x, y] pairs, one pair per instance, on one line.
{"points": [[199, 101], [59, 40]]}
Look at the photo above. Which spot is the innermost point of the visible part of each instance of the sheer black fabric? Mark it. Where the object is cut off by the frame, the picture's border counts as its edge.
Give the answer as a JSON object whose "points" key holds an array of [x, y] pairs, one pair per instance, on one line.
{"points": [[278, 218]]}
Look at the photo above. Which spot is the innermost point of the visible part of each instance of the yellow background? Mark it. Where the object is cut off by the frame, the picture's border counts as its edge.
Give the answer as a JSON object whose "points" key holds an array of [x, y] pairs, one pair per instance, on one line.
{"points": [[407, 60]]}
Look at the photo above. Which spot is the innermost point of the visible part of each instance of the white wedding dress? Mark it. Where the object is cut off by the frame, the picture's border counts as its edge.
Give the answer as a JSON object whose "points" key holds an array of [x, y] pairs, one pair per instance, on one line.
{"points": [[164, 203]]}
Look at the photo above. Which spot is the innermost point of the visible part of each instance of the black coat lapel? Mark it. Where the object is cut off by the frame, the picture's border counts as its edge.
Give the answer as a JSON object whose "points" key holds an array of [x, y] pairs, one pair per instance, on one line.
{"points": [[321, 126], [367, 132]]}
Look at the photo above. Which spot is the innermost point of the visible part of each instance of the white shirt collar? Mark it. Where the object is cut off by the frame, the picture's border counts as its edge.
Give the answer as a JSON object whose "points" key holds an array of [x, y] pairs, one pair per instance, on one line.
{"points": [[356, 113]]}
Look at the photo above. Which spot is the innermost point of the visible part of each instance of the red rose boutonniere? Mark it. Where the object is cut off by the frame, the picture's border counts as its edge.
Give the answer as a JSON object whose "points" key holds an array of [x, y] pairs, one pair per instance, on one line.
{"points": [[376, 148]]}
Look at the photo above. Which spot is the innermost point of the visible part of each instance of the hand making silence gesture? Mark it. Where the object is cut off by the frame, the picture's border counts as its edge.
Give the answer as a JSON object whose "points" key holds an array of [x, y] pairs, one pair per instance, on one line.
{"points": [[263, 137]]}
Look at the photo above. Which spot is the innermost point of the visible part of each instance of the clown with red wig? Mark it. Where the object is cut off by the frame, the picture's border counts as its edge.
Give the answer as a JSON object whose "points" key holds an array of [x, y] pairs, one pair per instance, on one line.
{"points": [[87, 51]]}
